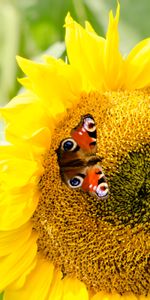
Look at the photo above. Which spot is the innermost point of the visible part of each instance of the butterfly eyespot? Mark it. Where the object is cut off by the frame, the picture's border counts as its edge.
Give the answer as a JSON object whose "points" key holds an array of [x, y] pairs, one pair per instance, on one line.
{"points": [[89, 124], [102, 189], [68, 145], [75, 182]]}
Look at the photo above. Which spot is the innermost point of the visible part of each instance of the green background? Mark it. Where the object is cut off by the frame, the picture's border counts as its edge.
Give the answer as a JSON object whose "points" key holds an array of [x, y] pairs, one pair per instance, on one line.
{"points": [[32, 27]]}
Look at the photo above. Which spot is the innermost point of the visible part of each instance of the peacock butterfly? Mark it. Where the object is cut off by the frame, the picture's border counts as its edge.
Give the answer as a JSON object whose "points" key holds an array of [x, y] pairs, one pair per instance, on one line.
{"points": [[79, 165]]}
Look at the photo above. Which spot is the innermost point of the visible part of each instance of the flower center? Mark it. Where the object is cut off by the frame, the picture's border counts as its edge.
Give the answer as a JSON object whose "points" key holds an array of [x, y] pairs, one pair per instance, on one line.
{"points": [[104, 243]]}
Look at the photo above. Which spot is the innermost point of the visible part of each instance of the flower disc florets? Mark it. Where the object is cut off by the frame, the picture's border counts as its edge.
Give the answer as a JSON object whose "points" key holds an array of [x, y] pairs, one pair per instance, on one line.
{"points": [[104, 243]]}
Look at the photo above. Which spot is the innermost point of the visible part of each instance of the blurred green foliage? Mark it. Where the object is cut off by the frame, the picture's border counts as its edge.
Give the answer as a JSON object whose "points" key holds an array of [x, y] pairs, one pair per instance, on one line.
{"points": [[31, 27]]}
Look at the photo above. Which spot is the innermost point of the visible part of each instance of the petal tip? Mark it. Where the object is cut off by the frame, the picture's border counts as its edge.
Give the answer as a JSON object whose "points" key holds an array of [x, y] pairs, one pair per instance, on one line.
{"points": [[68, 20], [118, 10], [20, 59], [22, 62]]}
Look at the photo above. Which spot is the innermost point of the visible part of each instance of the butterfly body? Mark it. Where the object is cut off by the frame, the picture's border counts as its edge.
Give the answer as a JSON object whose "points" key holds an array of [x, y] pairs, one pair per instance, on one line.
{"points": [[79, 165]]}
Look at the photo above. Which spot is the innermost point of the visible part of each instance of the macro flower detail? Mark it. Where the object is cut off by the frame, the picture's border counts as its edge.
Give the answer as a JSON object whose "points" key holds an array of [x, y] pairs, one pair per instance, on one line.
{"points": [[62, 243]]}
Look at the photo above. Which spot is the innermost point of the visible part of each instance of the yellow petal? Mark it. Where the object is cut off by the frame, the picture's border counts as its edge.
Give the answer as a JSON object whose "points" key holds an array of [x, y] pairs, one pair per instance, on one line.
{"points": [[19, 175], [129, 297], [13, 265], [18, 283], [25, 82], [114, 296], [138, 66], [53, 83], [85, 51], [106, 296], [37, 283], [144, 297], [113, 61], [74, 289], [18, 166], [70, 84], [89, 28], [56, 288], [16, 208], [20, 151], [25, 116], [18, 172], [42, 139], [13, 239]]}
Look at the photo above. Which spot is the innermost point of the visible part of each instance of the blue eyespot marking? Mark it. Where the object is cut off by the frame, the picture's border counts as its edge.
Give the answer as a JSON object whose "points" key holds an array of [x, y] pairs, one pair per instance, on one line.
{"points": [[68, 145], [75, 181]]}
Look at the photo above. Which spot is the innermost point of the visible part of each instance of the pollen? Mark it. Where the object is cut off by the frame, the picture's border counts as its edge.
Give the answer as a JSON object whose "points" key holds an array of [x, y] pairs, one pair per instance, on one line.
{"points": [[104, 243]]}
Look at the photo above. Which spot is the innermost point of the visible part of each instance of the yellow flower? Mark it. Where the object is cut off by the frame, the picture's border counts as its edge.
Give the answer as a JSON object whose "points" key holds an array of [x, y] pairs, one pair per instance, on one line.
{"points": [[59, 243]]}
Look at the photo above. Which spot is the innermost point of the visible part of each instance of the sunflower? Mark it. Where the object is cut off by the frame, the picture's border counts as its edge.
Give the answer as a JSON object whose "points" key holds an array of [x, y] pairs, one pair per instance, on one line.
{"points": [[59, 243]]}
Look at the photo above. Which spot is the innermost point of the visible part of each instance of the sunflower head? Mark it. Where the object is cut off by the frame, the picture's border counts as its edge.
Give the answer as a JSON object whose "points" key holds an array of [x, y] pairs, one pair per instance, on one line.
{"points": [[96, 239], [89, 247]]}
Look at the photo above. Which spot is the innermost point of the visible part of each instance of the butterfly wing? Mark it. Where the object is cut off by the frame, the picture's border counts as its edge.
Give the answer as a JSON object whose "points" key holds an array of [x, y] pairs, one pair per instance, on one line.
{"points": [[77, 160], [72, 162], [85, 134], [81, 143], [95, 182]]}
